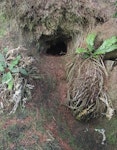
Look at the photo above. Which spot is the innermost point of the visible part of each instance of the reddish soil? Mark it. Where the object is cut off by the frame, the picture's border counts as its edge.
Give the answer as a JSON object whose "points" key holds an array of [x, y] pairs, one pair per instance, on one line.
{"points": [[54, 66], [53, 69]]}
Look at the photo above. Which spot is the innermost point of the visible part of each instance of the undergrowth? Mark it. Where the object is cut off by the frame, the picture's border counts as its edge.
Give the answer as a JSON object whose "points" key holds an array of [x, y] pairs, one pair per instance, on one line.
{"points": [[14, 86]]}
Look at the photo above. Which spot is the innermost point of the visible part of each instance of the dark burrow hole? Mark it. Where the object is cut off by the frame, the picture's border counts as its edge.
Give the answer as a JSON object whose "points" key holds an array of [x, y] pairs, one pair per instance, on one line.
{"points": [[99, 20], [57, 48]]}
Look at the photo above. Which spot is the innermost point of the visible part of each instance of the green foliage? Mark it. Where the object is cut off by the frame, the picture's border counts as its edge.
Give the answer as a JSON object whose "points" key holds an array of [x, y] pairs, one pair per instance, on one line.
{"points": [[7, 78], [8, 69], [112, 139], [14, 62], [108, 45], [81, 50], [90, 42], [115, 15]]}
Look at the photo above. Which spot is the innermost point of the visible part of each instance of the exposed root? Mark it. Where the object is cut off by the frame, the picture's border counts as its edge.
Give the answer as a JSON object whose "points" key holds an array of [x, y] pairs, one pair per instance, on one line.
{"points": [[87, 96]]}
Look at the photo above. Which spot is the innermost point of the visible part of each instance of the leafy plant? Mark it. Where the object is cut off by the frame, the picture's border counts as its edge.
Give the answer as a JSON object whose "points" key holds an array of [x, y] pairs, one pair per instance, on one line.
{"points": [[8, 69], [115, 15], [108, 45]]}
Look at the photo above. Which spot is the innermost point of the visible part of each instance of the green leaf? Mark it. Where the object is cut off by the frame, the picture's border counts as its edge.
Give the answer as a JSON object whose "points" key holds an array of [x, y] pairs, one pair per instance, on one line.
{"points": [[108, 43], [90, 41], [1, 68], [7, 78], [23, 71], [10, 84], [14, 62], [81, 50], [106, 50], [3, 64], [5, 50]]}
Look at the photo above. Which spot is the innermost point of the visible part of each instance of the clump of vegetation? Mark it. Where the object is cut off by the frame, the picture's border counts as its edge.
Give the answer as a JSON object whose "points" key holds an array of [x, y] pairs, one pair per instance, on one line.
{"points": [[14, 87], [108, 45], [88, 97], [8, 68], [115, 15]]}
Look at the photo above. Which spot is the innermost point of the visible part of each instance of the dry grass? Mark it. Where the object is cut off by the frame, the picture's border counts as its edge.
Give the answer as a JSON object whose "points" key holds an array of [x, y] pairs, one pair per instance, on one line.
{"points": [[87, 95]]}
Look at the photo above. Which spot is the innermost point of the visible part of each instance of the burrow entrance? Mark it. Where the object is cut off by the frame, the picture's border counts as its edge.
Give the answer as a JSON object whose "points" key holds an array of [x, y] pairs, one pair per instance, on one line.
{"points": [[53, 56], [55, 45], [57, 48]]}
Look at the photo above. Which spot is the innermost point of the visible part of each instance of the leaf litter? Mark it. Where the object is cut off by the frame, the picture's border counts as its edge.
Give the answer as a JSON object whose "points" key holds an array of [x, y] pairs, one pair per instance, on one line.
{"points": [[20, 91]]}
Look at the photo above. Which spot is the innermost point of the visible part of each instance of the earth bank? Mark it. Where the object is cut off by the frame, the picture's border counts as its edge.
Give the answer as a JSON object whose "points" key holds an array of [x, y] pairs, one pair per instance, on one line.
{"points": [[42, 26]]}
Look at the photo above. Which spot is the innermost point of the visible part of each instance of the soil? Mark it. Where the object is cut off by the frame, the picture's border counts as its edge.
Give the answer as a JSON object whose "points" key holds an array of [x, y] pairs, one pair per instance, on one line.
{"points": [[46, 123]]}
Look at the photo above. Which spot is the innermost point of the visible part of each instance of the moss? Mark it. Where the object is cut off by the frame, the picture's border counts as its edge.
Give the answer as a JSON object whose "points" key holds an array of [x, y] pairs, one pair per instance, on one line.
{"points": [[112, 132], [112, 138], [110, 127]]}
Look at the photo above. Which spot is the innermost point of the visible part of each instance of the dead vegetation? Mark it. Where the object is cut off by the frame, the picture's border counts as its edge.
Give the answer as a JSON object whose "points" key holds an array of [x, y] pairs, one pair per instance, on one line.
{"points": [[87, 96]]}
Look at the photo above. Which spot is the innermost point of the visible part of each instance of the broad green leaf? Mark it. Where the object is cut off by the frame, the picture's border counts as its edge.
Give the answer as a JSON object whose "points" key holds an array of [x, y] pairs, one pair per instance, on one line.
{"points": [[106, 50], [23, 71], [3, 64], [14, 62], [5, 50], [81, 50], [108, 43], [7, 78], [1, 68], [10, 84], [90, 41]]}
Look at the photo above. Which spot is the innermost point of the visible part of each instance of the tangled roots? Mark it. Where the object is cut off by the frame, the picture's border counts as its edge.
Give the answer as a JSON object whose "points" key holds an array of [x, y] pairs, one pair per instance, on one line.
{"points": [[87, 96]]}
